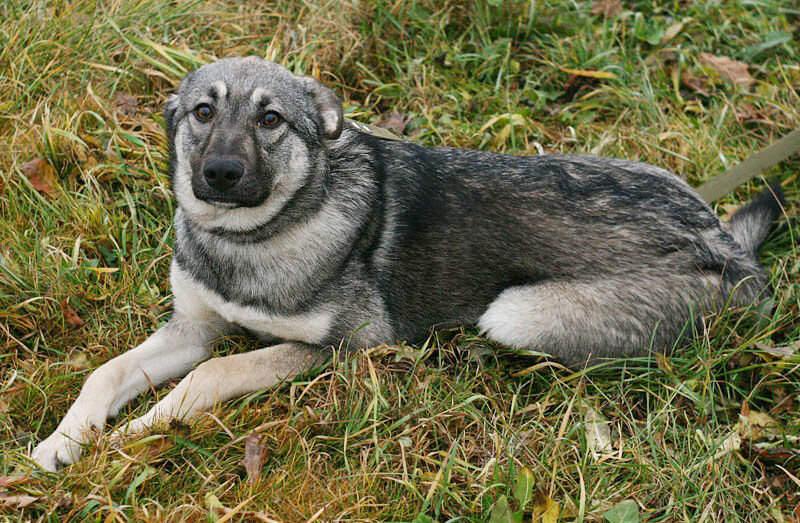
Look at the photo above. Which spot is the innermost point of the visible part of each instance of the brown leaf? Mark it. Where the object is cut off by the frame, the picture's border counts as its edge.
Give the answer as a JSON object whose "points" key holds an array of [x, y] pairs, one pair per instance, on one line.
{"points": [[698, 84], [42, 176], [395, 122], [770, 454], [6, 481], [16, 501], [733, 70], [607, 8], [254, 455], [70, 316], [126, 104]]}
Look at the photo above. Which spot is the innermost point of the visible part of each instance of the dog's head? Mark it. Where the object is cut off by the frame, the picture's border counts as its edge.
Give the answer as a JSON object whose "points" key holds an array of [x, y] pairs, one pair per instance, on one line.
{"points": [[245, 135]]}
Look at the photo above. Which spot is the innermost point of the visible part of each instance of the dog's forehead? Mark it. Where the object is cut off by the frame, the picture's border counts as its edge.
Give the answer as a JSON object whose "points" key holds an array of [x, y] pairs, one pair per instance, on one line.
{"points": [[242, 78]]}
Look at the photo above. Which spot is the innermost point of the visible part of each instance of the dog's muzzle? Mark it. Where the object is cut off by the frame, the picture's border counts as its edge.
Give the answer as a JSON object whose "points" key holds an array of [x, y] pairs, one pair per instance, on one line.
{"points": [[227, 182]]}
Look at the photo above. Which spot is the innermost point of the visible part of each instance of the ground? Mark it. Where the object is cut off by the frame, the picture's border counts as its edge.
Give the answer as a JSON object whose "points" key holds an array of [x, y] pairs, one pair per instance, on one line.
{"points": [[439, 431]]}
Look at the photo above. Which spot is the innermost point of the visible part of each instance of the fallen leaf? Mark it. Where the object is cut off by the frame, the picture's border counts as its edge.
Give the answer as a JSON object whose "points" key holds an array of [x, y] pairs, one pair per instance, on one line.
{"points": [[6, 481], [3, 407], [771, 454], [79, 361], [733, 70], [42, 176], [214, 505], [16, 501], [673, 30], [754, 424], [254, 455], [126, 104], [545, 509], [396, 122], [70, 316], [731, 443], [779, 352], [501, 512], [523, 488], [607, 8], [624, 512], [597, 430], [590, 73], [698, 84]]}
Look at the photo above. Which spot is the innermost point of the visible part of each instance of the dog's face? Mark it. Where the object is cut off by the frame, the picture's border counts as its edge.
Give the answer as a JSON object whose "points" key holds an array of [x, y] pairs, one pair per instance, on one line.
{"points": [[245, 135]]}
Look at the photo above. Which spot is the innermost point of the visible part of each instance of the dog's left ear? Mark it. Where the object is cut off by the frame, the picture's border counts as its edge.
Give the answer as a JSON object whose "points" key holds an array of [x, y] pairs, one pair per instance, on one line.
{"points": [[329, 107], [169, 115]]}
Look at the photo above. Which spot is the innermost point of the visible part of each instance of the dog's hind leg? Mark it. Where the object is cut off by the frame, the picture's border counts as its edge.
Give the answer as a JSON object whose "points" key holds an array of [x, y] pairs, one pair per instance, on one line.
{"points": [[575, 322], [221, 379], [170, 352]]}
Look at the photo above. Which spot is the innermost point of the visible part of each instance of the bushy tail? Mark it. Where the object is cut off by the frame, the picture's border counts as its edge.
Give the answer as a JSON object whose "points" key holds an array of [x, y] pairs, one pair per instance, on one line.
{"points": [[751, 224]]}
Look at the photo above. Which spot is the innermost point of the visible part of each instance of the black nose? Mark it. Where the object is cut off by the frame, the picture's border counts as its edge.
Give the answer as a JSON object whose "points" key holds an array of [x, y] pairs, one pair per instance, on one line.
{"points": [[222, 173]]}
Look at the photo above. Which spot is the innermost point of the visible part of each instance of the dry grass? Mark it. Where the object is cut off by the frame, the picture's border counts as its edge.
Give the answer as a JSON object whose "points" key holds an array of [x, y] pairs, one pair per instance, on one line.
{"points": [[407, 432]]}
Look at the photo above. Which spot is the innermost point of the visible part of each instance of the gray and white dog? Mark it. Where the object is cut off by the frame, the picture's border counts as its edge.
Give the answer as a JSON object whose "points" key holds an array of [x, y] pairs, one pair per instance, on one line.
{"points": [[304, 231]]}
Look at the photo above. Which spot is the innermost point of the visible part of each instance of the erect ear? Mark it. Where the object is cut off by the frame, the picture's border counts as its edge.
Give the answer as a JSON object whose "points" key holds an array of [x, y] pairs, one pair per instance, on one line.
{"points": [[170, 108], [329, 107]]}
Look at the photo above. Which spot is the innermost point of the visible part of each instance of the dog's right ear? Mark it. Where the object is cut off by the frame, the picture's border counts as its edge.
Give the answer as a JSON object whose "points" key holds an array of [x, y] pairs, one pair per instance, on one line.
{"points": [[329, 106], [170, 108]]}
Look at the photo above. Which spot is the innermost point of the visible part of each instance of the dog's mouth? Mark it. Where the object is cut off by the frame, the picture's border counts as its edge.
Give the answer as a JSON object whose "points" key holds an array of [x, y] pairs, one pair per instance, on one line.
{"points": [[222, 204], [243, 196]]}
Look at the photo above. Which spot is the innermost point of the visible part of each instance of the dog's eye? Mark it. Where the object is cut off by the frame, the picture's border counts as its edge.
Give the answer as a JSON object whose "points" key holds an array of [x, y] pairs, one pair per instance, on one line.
{"points": [[271, 119], [204, 112]]}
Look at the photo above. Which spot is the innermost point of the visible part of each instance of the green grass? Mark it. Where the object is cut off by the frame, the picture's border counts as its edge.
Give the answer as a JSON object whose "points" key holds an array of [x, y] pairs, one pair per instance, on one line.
{"points": [[401, 431]]}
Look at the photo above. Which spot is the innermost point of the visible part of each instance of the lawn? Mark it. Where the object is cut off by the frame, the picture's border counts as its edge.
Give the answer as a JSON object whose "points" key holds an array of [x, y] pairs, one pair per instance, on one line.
{"points": [[456, 428]]}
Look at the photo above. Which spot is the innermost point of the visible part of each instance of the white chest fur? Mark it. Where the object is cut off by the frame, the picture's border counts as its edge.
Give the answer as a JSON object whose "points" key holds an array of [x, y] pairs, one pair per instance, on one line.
{"points": [[194, 300]]}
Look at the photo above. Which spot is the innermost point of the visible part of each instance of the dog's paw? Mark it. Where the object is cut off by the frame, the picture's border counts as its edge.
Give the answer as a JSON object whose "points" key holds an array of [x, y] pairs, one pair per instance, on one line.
{"points": [[57, 449]]}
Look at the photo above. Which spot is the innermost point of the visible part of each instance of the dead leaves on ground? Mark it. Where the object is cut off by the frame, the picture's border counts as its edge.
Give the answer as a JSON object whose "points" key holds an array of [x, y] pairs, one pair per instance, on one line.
{"points": [[732, 70], [127, 104], [394, 121], [597, 431], [70, 316], [607, 8], [42, 176], [779, 352], [254, 456], [15, 500]]}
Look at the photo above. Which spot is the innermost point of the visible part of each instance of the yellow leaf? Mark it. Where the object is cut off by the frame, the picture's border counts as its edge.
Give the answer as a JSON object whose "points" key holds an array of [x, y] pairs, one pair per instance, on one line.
{"points": [[673, 30], [545, 509], [104, 270], [606, 75]]}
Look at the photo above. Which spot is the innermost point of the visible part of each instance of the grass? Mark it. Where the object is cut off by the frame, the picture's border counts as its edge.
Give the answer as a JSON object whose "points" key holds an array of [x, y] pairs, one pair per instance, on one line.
{"points": [[406, 432]]}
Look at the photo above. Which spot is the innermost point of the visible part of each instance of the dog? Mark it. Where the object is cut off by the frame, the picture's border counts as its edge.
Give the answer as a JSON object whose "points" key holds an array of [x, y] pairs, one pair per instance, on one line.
{"points": [[299, 229]]}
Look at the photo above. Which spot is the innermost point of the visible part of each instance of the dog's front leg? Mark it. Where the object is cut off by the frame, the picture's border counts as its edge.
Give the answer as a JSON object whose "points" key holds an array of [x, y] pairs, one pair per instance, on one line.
{"points": [[170, 352], [221, 379]]}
